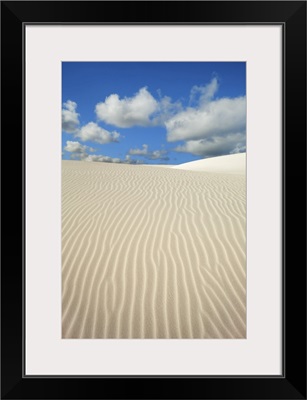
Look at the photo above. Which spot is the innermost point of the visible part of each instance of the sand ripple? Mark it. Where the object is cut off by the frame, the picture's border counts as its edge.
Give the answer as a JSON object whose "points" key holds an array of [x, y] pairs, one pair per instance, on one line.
{"points": [[152, 252]]}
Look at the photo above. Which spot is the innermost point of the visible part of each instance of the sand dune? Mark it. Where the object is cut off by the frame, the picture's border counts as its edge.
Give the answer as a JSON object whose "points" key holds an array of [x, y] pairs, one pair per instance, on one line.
{"points": [[152, 252], [231, 164]]}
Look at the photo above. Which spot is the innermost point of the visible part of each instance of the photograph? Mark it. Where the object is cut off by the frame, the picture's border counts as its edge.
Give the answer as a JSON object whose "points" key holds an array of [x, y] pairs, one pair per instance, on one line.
{"points": [[159, 188], [153, 200]]}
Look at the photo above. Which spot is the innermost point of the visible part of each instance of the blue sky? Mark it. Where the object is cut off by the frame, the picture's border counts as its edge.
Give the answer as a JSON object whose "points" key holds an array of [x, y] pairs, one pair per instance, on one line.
{"points": [[152, 112]]}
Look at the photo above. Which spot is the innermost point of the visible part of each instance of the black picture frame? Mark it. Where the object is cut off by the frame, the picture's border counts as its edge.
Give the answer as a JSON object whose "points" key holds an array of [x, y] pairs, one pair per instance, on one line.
{"points": [[292, 383]]}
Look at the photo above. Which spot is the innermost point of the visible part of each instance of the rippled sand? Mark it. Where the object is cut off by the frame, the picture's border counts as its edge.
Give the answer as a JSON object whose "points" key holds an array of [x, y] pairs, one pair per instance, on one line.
{"points": [[152, 252]]}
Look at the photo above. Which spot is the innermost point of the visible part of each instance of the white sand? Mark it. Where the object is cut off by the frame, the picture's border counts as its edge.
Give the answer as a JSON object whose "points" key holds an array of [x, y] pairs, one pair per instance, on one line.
{"points": [[232, 164], [152, 252]]}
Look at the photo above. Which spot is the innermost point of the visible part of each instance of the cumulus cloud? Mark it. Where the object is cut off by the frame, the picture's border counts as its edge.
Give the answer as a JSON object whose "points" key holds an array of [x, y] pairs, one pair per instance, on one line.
{"points": [[129, 111], [129, 160], [158, 155], [202, 94], [94, 133], [210, 126], [76, 147], [103, 158], [80, 152], [212, 118], [70, 118], [149, 155], [89, 132], [215, 146], [165, 110], [140, 152], [77, 150]]}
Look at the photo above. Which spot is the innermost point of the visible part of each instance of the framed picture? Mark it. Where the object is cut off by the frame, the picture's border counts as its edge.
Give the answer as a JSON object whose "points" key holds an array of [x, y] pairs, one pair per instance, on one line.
{"points": [[161, 168]]}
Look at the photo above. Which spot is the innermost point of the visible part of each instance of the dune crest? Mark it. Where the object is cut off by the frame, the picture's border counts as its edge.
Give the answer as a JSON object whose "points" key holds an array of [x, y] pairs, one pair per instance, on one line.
{"points": [[230, 164]]}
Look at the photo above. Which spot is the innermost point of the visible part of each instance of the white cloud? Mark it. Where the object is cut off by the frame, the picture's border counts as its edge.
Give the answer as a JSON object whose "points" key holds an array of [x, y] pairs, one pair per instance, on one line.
{"points": [[102, 158], [70, 118], [129, 111], [158, 155], [240, 148], [210, 127], [80, 152], [77, 150], [214, 118], [165, 110], [150, 155], [76, 147], [90, 132], [95, 133], [215, 146], [140, 152], [203, 94]]}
